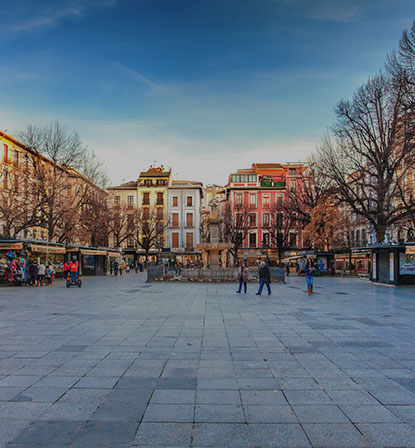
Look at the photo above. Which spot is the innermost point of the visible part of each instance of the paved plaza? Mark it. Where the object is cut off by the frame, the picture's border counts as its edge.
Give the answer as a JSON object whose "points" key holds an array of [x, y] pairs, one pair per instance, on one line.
{"points": [[122, 363]]}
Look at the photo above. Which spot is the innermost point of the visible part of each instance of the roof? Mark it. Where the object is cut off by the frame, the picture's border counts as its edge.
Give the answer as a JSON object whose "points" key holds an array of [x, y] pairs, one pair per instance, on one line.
{"points": [[186, 184], [132, 185], [154, 174]]}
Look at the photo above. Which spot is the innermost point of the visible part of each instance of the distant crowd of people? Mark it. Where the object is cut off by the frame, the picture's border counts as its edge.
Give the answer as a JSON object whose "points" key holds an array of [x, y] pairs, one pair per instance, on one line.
{"points": [[118, 268]]}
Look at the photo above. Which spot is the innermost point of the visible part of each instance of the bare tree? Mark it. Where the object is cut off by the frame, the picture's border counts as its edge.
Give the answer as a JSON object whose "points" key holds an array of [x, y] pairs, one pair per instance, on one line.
{"points": [[120, 224], [279, 226], [93, 167], [53, 150], [323, 229], [19, 209], [372, 150], [149, 228], [236, 226]]}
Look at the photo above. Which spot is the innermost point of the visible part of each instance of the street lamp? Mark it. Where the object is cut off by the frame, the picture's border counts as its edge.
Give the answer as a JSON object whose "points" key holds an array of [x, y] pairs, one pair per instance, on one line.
{"points": [[159, 252]]}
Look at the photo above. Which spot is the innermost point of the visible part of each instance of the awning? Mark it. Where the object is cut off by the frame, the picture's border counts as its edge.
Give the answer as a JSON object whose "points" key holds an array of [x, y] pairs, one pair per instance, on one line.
{"points": [[48, 249], [114, 254], [93, 252], [11, 246]]}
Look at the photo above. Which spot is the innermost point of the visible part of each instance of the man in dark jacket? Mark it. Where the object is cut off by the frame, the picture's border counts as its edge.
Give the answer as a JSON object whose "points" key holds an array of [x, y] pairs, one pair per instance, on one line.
{"points": [[264, 278]]}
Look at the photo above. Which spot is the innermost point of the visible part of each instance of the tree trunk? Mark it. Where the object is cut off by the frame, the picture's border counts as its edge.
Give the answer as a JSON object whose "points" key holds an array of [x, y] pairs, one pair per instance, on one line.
{"points": [[380, 231], [235, 251]]}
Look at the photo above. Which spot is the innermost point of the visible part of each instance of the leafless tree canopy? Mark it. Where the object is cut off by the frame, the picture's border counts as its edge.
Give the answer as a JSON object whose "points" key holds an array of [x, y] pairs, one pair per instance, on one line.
{"points": [[236, 226], [371, 149]]}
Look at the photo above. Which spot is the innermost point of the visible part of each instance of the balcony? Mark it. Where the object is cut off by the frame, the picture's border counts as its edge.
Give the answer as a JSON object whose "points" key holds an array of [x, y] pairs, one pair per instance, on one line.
{"points": [[271, 184]]}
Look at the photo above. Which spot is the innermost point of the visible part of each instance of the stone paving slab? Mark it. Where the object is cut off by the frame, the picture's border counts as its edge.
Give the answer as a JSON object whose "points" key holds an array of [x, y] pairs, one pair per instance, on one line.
{"points": [[119, 363]]}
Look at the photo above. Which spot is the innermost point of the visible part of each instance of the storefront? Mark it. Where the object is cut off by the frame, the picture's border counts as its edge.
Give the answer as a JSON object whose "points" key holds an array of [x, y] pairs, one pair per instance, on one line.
{"points": [[186, 258], [48, 254], [394, 264], [325, 263], [93, 261], [11, 250], [355, 261]]}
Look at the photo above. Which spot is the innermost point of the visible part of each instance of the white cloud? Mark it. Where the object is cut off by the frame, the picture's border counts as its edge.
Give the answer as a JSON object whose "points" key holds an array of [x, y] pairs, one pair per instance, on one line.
{"points": [[53, 13], [210, 161]]}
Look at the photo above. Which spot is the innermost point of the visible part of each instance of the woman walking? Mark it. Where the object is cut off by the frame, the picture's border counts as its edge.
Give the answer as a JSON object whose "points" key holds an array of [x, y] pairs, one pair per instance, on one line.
{"points": [[243, 277], [309, 274]]}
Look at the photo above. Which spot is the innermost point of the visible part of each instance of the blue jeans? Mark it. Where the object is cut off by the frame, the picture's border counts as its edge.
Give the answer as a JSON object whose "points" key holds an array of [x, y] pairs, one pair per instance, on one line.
{"points": [[74, 277], [309, 280], [261, 285], [240, 285]]}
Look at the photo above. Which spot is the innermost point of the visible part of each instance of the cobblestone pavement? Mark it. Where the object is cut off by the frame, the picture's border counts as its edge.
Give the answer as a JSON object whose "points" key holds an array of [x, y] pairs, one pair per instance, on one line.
{"points": [[120, 363]]}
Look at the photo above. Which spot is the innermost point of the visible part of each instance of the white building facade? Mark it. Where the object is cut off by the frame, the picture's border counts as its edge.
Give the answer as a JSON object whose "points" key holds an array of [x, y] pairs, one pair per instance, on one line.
{"points": [[184, 208]]}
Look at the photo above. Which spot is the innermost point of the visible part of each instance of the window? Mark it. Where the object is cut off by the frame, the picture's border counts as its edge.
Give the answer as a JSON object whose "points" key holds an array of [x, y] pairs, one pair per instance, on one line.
{"points": [[252, 200], [252, 240], [146, 213], [189, 201], [16, 158], [146, 198], [6, 154], [292, 171], [130, 201], [175, 240], [189, 219], [266, 219], [293, 185], [265, 200], [189, 240], [238, 199], [160, 199], [279, 200], [239, 219], [252, 178], [159, 212], [265, 240], [252, 220], [117, 201], [175, 201], [148, 183], [175, 219], [293, 239], [161, 182]]}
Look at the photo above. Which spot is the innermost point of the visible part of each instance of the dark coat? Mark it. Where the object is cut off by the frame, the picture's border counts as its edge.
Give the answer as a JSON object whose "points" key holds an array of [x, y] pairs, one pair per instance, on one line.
{"points": [[265, 274]]}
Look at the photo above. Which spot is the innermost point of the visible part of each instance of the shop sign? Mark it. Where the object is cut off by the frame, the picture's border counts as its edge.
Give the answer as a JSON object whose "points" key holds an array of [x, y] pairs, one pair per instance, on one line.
{"points": [[49, 249], [410, 250], [93, 252], [406, 264], [11, 246]]}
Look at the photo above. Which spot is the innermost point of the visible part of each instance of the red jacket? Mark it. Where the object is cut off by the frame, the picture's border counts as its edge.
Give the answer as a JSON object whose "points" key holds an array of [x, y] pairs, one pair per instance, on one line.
{"points": [[73, 267], [66, 267]]}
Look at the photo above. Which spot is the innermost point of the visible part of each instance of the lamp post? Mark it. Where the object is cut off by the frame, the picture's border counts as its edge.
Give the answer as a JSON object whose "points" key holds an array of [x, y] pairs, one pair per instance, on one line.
{"points": [[158, 250]]}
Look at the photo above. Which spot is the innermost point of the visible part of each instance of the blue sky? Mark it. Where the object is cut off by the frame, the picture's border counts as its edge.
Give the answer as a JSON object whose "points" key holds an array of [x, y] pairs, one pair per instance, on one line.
{"points": [[205, 87]]}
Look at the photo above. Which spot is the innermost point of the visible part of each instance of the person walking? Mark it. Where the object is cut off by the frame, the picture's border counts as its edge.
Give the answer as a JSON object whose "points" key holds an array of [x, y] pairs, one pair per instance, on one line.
{"points": [[116, 268], [264, 278], [136, 267], [41, 273], [66, 270], [33, 273], [287, 269], [111, 267], [309, 270], [243, 278]]}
